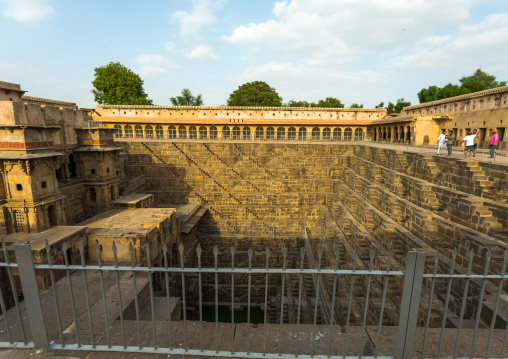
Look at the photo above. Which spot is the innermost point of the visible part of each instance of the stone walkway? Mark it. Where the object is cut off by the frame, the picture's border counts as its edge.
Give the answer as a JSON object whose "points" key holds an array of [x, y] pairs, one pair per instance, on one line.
{"points": [[482, 154]]}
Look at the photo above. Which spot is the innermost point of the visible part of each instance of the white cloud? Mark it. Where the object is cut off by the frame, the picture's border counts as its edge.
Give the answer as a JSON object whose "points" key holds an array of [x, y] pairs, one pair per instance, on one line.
{"points": [[169, 46], [202, 52], [483, 43], [27, 11], [302, 82], [335, 31], [154, 64], [202, 14]]}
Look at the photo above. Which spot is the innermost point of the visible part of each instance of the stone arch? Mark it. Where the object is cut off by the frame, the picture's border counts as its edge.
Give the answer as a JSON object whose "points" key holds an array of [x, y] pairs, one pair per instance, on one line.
{"points": [[148, 131], [270, 133], [259, 134], [138, 131], [337, 134], [118, 131], [281, 133], [246, 133], [408, 134], [159, 132], [193, 133], [358, 134], [348, 134], [315, 135], [172, 132], [182, 132], [214, 134], [226, 133], [327, 134], [128, 131], [237, 134], [291, 133], [203, 132], [302, 134]]}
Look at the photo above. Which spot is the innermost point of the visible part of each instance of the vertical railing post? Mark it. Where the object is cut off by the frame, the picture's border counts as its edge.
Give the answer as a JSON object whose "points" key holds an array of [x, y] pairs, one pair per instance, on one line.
{"points": [[31, 294], [408, 317]]}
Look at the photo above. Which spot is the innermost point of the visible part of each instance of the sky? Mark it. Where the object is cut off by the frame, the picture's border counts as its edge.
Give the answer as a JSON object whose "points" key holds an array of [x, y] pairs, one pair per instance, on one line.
{"points": [[360, 51]]}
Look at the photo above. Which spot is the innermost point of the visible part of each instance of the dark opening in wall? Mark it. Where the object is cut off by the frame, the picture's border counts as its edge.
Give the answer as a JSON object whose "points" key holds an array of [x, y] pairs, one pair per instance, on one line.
{"points": [[52, 216], [43, 184], [93, 195], [19, 187], [93, 171], [107, 170]]}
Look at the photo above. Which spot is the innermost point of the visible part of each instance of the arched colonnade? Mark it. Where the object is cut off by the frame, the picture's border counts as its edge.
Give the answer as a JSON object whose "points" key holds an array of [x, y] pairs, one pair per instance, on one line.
{"points": [[239, 132], [400, 133]]}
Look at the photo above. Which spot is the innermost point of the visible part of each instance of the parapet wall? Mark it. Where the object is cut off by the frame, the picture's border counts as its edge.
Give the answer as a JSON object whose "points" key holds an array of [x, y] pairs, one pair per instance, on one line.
{"points": [[481, 100], [231, 115]]}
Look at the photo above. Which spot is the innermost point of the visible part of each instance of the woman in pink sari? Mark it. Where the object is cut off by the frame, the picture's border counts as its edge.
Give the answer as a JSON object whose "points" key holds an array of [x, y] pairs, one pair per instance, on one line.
{"points": [[493, 143]]}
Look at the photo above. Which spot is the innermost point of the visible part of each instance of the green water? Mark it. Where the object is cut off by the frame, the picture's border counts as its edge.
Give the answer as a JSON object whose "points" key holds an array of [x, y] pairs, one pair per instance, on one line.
{"points": [[256, 315]]}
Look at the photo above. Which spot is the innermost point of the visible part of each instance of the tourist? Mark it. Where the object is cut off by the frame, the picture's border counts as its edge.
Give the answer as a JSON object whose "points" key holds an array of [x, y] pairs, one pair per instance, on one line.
{"points": [[476, 142], [441, 142], [493, 143], [469, 140], [449, 142]]}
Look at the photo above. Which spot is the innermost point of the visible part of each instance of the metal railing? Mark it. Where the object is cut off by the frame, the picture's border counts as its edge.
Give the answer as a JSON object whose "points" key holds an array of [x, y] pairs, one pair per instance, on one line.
{"points": [[323, 299], [500, 156], [95, 324]]}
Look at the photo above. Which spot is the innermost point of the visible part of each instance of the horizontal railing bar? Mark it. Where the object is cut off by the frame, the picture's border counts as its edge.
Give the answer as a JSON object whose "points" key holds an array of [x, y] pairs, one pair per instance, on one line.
{"points": [[213, 353], [252, 271], [219, 270], [18, 345], [473, 276]]}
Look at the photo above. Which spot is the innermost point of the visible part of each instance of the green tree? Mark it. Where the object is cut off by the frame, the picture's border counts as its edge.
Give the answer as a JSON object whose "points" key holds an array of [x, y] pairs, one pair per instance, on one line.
{"points": [[429, 94], [256, 93], [115, 84], [398, 106], [329, 102], [479, 81], [381, 105], [356, 105], [187, 99], [293, 103]]}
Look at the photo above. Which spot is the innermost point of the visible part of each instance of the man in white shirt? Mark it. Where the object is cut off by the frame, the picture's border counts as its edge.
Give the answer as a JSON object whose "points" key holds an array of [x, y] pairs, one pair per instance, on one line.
{"points": [[469, 140], [441, 142]]}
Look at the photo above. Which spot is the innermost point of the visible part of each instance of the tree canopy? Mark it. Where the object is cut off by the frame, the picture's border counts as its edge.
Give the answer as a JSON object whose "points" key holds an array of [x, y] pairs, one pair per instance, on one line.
{"points": [[327, 102], [398, 106], [187, 99], [115, 84], [256, 93], [479, 81], [293, 103], [356, 105]]}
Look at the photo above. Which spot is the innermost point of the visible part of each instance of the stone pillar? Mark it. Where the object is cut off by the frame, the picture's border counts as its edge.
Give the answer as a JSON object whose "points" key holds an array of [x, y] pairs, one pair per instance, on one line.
{"points": [[45, 214], [67, 173], [60, 214]]}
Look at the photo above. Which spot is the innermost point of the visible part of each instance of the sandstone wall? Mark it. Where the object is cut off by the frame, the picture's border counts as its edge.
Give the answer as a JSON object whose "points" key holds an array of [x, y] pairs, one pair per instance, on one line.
{"points": [[74, 203]]}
